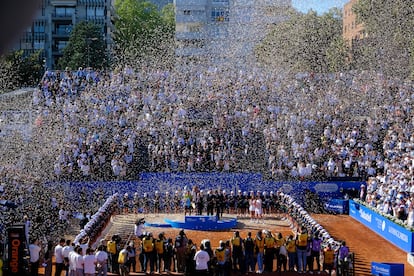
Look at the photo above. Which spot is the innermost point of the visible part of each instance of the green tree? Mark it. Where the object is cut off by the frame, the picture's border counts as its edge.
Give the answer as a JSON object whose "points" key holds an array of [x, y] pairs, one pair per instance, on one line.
{"points": [[336, 55], [143, 34], [305, 42], [18, 70], [390, 25], [86, 48]]}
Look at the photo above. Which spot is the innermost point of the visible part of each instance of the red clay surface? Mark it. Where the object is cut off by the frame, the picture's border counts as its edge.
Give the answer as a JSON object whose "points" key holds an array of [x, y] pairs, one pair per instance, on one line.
{"points": [[367, 246]]}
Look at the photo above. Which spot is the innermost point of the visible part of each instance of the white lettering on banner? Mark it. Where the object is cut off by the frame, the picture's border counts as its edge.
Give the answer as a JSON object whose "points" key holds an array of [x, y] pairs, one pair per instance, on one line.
{"points": [[333, 206], [378, 222], [398, 234], [364, 215], [381, 269], [286, 188], [326, 187]]}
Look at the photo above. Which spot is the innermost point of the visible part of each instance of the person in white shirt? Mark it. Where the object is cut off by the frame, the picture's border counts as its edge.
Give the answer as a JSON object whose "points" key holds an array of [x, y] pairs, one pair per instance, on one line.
{"points": [[65, 253], [201, 259], [84, 245], [59, 257], [139, 228], [34, 250], [72, 263], [89, 262], [78, 261], [101, 258]]}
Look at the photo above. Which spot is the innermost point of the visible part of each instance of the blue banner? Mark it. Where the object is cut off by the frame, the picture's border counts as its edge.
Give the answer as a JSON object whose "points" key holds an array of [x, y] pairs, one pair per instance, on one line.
{"points": [[387, 269], [338, 206], [394, 233]]}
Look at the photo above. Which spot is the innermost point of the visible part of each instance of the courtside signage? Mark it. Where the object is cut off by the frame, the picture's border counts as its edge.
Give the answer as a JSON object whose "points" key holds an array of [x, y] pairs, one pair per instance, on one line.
{"points": [[396, 234]]}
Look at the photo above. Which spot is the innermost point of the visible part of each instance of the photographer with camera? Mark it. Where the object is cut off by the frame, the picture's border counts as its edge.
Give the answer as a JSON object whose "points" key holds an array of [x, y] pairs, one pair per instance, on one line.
{"points": [[139, 228]]}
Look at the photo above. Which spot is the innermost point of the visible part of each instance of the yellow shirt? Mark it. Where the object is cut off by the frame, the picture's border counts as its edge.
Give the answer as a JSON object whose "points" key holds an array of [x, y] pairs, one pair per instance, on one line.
{"points": [[259, 244], [270, 242], [280, 242], [291, 246]]}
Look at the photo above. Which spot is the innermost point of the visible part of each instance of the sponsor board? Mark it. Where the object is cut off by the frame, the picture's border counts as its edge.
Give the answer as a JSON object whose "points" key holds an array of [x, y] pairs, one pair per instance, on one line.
{"points": [[338, 206], [16, 245], [387, 269], [394, 233]]}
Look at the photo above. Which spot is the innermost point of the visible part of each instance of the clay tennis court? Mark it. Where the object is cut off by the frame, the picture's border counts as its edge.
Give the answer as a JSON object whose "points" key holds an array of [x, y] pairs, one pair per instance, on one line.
{"points": [[366, 245]]}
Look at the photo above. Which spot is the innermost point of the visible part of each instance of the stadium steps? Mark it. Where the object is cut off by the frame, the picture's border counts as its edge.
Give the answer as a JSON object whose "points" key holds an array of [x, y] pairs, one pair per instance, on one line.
{"points": [[362, 266], [122, 225]]}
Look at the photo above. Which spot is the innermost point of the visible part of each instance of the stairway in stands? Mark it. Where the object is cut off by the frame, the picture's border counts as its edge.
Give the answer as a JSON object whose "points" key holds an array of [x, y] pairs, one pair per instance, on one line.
{"points": [[362, 266], [122, 225]]}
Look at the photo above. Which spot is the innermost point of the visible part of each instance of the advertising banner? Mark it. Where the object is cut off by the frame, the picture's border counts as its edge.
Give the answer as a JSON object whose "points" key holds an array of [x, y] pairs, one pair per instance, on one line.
{"points": [[387, 269], [16, 250], [338, 206], [389, 230]]}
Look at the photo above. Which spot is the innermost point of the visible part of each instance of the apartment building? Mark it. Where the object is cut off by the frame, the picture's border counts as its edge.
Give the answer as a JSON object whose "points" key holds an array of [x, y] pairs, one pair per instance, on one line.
{"points": [[224, 31], [54, 22], [352, 31], [215, 31]]}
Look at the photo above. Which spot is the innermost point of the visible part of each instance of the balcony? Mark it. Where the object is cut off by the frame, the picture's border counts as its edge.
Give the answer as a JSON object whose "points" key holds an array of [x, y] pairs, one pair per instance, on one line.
{"points": [[60, 34], [63, 3], [61, 17]]}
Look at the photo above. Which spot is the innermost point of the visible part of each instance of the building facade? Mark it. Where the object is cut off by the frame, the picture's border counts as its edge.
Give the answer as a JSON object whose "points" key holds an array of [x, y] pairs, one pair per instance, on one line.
{"points": [[224, 31], [51, 28], [352, 31]]}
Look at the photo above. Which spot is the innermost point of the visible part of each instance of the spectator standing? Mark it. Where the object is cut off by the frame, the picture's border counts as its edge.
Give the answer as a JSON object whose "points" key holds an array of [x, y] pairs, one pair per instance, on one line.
{"points": [[66, 250], [159, 245], [259, 250], [343, 258], [112, 250], [316, 243], [249, 249], [292, 255], [78, 259], [132, 261], [269, 252], [301, 247], [168, 255], [180, 246], [123, 261], [220, 258], [89, 263], [202, 260], [237, 252], [282, 259], [59, 257], [34, 250], [328, 259], [149, 252], [279, 241], [47, 262], [190, 253], [101, 258]]}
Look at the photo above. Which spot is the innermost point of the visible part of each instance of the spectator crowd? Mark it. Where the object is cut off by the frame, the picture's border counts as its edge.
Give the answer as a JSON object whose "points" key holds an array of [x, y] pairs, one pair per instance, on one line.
{"points": [[303, 127], [113, 125]]}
